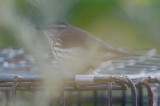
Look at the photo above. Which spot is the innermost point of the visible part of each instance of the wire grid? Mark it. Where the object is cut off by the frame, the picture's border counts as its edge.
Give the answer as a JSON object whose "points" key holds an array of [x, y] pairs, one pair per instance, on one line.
{"points": [[134, 73]]}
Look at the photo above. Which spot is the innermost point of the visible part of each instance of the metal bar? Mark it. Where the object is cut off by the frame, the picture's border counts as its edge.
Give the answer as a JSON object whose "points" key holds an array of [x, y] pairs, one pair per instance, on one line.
{"points": [[98, 87], [14, 93], [26, 86], [134, 93], [20, 79], [150, 93], [123, 98], [110, 94], [158, 100], [20, 88], [95, 98], [140, 91]]}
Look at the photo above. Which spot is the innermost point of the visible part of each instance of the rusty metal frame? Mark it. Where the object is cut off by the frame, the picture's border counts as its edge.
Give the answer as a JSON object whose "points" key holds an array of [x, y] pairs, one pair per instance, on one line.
{"points": [[108, 83]]}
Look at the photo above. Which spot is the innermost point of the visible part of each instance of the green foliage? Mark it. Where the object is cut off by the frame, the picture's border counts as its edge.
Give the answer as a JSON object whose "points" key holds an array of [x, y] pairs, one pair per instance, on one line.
{"points": [[121, 23], [86, 11], [7, 39]]}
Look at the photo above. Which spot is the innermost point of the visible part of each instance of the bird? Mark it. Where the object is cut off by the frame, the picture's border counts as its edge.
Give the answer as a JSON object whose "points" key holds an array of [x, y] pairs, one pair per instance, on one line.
{"points": [[76, 50]]}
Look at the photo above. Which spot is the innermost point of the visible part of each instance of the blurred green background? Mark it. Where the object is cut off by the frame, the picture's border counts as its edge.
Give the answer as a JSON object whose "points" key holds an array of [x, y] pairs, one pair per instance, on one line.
{"points": [[121, 23]]}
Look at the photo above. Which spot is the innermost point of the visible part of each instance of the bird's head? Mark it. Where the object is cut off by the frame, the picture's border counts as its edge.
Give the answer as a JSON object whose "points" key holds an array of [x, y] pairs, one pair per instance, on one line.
{"points": [[53, 29]]}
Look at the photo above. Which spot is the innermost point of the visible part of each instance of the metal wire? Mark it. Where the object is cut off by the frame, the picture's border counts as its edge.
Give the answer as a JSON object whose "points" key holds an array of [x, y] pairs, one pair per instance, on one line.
{"points": [[135, 72]]}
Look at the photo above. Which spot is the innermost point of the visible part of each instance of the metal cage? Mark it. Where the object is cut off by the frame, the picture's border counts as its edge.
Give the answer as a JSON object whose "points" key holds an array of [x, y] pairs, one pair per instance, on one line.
{"points": [[133, 89]]}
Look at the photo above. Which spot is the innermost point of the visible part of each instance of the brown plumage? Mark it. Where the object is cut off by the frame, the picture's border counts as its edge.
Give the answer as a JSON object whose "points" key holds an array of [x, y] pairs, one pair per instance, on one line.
{"points": [[76, 50]]}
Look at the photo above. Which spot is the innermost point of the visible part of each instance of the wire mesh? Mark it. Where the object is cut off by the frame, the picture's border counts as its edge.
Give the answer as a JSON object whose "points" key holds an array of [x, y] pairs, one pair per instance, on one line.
{"points": [[133, 77]]}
